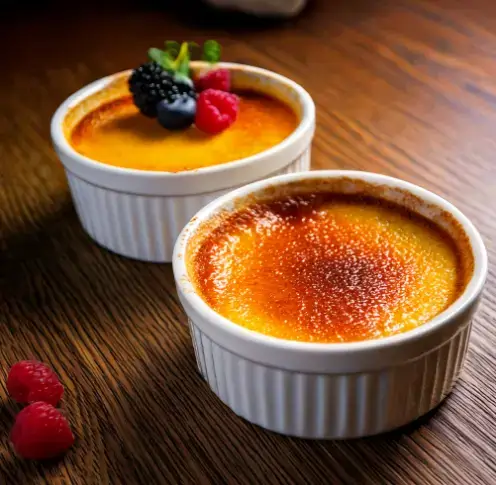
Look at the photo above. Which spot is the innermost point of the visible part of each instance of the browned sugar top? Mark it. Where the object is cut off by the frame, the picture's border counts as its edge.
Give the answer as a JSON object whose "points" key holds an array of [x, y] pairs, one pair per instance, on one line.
{"points": [[116, 133], [328, 268]]}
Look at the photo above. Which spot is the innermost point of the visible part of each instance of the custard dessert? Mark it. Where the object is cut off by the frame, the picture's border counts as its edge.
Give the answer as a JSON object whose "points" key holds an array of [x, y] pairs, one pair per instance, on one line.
{"points": [[116, 133], [328, 268], [165, 116]]}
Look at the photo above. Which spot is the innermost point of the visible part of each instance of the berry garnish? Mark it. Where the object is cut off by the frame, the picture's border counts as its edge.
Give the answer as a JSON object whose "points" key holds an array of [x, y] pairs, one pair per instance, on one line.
{"points": [[30, 381], [150, 84], [163, 88], [165, 78], [216, 111], [211, 51], [41, 432], [216, 79], [178, 114]]}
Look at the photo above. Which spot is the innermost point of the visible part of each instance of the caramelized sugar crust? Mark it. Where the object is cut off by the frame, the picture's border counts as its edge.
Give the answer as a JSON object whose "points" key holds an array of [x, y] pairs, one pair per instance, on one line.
{"points": [[116, 133], [328, 267]]}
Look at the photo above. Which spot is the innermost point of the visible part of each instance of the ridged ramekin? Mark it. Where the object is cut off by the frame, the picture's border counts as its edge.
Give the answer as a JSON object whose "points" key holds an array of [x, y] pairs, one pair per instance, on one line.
{"points": [[138, 213], [342, 390]]}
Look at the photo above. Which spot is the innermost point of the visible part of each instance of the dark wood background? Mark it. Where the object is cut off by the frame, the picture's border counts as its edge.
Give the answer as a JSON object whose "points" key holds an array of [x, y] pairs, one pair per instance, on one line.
{"points": [[402, 87]]}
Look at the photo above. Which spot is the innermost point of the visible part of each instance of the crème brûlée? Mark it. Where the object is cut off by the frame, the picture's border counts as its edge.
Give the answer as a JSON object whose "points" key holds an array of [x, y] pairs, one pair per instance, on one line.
{"points": [[328, 268], [115, 133]]}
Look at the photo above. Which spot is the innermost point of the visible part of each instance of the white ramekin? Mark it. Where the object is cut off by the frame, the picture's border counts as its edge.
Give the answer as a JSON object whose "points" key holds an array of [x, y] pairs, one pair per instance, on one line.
{"points": [[342, 390], [139, 214]]}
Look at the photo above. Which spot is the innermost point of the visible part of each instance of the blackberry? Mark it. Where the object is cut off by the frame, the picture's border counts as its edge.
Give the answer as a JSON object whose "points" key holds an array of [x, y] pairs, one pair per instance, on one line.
{"points": [[150, 83]]}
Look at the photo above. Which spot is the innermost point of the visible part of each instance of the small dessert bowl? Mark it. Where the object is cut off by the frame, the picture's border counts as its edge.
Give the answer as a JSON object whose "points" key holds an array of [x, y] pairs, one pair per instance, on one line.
{"points": [[138, 213], [331, 390]]}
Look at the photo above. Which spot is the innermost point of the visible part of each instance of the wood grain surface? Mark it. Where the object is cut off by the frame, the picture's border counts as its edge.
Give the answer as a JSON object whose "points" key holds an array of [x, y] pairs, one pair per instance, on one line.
{"points": [[402, 87]]}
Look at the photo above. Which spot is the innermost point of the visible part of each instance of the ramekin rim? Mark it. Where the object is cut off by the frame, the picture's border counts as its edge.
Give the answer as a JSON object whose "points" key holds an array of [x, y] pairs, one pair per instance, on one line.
{"points": [[472, 289], [61, 142]]}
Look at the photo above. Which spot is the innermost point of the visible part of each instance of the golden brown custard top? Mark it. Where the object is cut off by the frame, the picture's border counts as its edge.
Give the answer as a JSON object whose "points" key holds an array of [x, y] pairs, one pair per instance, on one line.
{"points": [[328, 268], [116, 133]]}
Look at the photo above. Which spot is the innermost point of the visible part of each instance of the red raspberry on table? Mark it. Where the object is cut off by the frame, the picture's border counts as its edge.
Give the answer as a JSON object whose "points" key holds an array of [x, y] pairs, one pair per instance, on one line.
{"points": [[216, 79], [216, 111], [40, 432], [30, 381]]}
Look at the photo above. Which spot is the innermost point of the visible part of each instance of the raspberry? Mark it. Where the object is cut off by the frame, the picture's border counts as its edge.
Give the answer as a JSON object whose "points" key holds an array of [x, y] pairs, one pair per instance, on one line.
{"points": [[216, 110], [216, 79], [31, 381], [41, 432]]}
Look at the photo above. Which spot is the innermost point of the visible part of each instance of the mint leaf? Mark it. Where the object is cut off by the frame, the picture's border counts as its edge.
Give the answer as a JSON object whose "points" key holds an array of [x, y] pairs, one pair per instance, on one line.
{"points": [[155, 55], [193, 49], [172, 48], [162, 58], [211, 51], [175, 58], [182, 60], [182, 66], [193, 44]]}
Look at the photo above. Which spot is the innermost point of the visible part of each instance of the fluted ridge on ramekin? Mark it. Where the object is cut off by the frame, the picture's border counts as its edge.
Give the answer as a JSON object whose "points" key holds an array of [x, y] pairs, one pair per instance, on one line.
{"points": [[325, 405], [140, 226]]}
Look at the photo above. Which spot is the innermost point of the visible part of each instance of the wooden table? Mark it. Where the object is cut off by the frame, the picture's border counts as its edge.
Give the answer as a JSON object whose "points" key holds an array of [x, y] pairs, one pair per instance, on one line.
{"points": [[402, 87]]}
